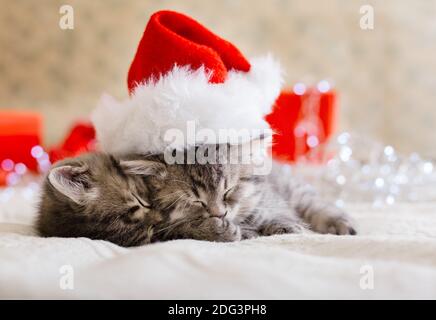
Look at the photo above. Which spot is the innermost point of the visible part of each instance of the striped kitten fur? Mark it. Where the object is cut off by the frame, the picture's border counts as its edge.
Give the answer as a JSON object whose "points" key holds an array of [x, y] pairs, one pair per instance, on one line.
{"points": [[137, 200]]}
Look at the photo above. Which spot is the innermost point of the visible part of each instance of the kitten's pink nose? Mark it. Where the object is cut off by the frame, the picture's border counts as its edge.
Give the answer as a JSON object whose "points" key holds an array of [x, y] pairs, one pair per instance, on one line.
{"points": [[216, 209], [218, 213]]}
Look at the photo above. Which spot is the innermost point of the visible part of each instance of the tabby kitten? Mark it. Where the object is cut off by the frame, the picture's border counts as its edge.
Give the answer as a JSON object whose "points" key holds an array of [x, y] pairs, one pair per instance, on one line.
{"points": [[136, 200]]}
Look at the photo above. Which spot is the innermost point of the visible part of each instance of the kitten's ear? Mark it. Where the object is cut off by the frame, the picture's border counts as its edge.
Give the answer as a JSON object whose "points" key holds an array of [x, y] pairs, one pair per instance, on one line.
{"points": [[143, 167], [71, 181]]}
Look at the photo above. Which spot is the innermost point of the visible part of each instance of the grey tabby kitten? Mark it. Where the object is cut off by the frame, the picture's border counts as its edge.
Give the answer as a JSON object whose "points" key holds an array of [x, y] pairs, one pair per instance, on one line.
{"points": [[137, 200]]}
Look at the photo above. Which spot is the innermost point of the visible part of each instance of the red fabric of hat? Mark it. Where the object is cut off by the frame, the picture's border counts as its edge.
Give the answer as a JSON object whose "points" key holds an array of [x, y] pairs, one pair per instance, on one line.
{"points": [[172, 38]]}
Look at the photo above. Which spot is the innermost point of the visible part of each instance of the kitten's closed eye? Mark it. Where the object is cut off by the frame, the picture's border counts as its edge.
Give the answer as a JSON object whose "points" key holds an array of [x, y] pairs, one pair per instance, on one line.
{"points": [[142, 202], [229, 193], [200, 203]]}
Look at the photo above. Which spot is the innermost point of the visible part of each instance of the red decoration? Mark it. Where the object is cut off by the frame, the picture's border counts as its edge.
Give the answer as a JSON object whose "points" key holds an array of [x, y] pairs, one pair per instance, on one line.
{"points": [[20, 131], [291, 117], [172, 38], [21, 140], [80, 139], [3, 176]]}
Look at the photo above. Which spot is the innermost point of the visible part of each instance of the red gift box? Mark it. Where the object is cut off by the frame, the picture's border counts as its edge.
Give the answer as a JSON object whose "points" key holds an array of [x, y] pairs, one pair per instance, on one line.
{"points": [[301, 121], [20, 131]]}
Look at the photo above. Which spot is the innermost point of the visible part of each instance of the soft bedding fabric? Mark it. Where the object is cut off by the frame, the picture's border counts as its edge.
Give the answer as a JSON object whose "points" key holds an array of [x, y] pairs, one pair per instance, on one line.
{"points": [[396, 244]]}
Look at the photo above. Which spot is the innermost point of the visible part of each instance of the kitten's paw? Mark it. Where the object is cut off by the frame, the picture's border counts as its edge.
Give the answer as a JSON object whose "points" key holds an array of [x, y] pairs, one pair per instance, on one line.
{"points": [[338, 224], [282, 227], [222, 230], [248, 234]]}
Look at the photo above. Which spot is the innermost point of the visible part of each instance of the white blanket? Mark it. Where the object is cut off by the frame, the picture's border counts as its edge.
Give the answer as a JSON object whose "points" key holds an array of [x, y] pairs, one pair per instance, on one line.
{"points": [[394, 256]]}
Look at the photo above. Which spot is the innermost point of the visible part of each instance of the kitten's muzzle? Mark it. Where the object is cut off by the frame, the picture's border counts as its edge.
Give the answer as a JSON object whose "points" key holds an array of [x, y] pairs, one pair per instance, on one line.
{"points": [[219, 214]]}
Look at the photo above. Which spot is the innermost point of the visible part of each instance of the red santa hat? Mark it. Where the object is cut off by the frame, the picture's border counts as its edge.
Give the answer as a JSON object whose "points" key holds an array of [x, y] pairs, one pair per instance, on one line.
{"points": [[185, 77]]}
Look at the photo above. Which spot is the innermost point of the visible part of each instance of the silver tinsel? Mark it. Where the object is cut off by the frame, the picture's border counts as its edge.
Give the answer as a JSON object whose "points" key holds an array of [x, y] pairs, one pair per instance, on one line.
{"points": [[353, 168]]}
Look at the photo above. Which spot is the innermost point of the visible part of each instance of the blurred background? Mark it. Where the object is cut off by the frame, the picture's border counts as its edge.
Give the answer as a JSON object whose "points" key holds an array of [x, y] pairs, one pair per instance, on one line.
{"points": [[385, 77]]}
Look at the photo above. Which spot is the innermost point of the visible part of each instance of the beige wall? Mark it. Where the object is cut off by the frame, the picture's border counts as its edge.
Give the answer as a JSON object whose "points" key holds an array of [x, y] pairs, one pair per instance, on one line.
{"points": [[386, 76]]}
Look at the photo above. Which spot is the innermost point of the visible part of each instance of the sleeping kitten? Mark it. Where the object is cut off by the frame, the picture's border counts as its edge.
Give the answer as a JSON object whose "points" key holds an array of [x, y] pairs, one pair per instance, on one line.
{"points": [[141, 199]]}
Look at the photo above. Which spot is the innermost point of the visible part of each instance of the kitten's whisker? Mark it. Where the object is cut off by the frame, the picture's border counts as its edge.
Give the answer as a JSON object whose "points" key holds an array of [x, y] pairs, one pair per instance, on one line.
{"points": [[186, 203], [163, 229], [169, 195], [184, 182], [174, 224], [174, 202]]}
